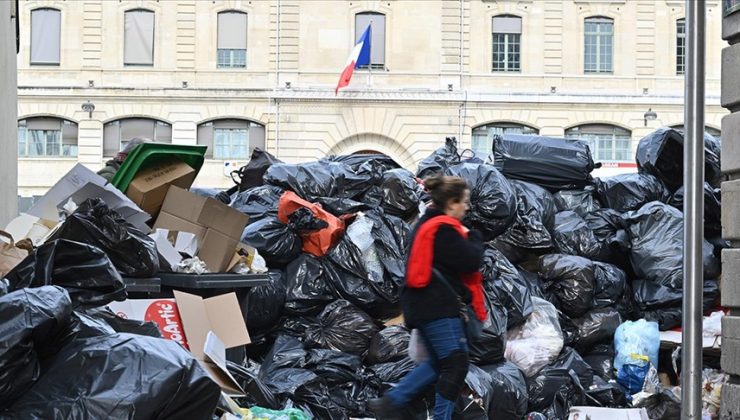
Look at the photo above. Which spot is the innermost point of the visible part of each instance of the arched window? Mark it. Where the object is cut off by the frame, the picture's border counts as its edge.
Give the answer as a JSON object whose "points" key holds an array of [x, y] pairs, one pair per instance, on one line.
{"points": [[377, 40], [598, 45], [507, 37], [116, 134], [231, 138], [138, 38], [483, 135], [47, 137], [232, 40], [46, 26], [680, 46], [709, 130], [607, 142]]}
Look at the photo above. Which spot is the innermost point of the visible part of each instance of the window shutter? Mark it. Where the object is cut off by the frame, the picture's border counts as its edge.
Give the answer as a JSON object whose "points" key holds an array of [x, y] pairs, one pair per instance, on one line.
{"points": [[46, 25], [232, 30], [138, 37], [507, 25]]}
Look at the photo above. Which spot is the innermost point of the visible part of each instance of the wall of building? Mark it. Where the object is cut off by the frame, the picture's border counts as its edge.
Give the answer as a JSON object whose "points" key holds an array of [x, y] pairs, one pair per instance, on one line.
{"points": [[405, 110], [8, 123]]}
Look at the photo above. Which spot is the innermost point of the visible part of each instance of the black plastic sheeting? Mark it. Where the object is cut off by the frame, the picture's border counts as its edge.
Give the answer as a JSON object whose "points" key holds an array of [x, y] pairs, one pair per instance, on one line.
{"points": [[505, 287], [276, 242], [250, 175], [492, 198], [258, 202], [389, 345], [439, 160], [570, 280], [132, 252], [660, 153], [401, 193], [573, 236], [34, 321], [712, 208], [510, 392], [552, 163], [560, 385], [534, 221], [163, 382], [630, 191], [582, 201], [83, 270]]}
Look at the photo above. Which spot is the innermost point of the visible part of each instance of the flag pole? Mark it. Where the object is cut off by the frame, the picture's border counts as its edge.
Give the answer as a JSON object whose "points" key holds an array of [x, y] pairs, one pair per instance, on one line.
{"points": [[370, 64]]}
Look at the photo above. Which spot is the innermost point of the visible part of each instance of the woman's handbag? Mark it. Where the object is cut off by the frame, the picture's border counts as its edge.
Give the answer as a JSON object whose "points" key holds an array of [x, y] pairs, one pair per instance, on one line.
{"points": [[473, 326]]}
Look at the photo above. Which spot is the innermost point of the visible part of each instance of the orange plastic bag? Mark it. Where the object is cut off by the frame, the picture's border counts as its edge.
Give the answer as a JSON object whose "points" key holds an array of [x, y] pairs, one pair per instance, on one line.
{"points": [[316, 243]]}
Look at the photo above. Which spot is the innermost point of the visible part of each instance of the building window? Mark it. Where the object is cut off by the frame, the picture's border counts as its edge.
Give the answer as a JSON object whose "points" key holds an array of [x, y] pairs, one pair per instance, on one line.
{"points": [[116, 134], [377, 40], [680, 46], [47, 137], [138, 39], [507, 34], [231, 138], [707, 129], [598, 45], [232, 40], [46, 25], [607, 142], [483, 135]]}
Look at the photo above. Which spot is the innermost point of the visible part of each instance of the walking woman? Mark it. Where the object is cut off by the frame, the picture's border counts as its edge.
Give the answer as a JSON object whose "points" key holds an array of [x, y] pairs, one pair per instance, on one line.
{"points": [[444, 257]]}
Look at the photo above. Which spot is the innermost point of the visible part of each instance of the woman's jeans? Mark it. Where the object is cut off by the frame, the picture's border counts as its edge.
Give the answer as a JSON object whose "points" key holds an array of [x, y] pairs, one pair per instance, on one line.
{"points": [[447, 346]]}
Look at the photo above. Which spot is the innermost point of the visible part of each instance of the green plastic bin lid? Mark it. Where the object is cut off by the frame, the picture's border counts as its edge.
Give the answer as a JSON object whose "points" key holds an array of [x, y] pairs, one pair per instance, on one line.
{"points": [[147, 154]]}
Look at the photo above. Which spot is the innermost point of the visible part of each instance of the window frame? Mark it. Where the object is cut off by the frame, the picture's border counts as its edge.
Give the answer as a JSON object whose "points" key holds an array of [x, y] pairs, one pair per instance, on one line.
{"points": [[120, 144], [680, 47], [594, 138], [22, 125], [505, 127], [598, 36], [358, 34], [59, 40], [233, 63], [154, 37], [508, 42]]}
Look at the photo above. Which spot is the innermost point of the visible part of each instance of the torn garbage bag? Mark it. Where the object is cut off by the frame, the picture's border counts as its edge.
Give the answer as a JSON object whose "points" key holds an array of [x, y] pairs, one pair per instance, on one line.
{"points": [[570, 280], [552, 163], [510, 393], [538, 341], [628, 192], [133, 253], [534, 221], [573, 236], [176, 386], [258, 202], [582, 201], [276, 242], [389, 345], [83, 270], [439, 160], [35, 322], [492, 198]]}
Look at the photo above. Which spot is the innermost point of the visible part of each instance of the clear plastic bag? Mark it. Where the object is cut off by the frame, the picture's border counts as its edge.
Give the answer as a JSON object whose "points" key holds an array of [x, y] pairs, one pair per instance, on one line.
{"points": [[637, 343], [538, 341]]}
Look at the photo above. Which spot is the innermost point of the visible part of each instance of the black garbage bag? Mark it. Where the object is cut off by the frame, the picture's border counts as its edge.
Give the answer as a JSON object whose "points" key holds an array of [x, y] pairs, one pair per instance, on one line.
{"points": [[570, 280], [510, 392], [214, 193], [560, 385], [628, 192], [656, 236], [392, 237], [34, 322], [570, 329], [83, 270], [401, 193], [276, 242], [601, 359], [608, 228], [474, 402], [304, 221], [133, 253], [390, 373], [660, 153], [671, 317], [662, 405], [650, 295], [341, 206], [534, 221], [572, 236], [353, 397], [333, 366], [492, 198], [533, 282], [489, 348], [123, 325], [505, 287], [606, 394], [264, 304], [712, 208], [256, 392], [552, 163], [343, 327], [439, 160], [357, 160], [596, 326], [389, 345], [610, 283], [312, 180], [251, 174], [125, 376], [258, 202], [582, 201], [308, 286]]}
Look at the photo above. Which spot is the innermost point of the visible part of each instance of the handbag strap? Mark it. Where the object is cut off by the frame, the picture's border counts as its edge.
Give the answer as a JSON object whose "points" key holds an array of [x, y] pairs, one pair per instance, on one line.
{"points": [[9, 236], [449, 286]]}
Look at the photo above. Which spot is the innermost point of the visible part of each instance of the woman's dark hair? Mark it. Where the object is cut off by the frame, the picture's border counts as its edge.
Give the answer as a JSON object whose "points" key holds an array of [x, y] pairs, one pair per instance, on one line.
{"points": [[445, 188]]}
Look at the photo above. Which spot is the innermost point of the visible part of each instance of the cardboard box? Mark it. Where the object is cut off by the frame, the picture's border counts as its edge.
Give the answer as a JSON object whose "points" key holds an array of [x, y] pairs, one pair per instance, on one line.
{"points": [[149, 187], [162, 312], [593, 413], [213, 325], [217, 250]]}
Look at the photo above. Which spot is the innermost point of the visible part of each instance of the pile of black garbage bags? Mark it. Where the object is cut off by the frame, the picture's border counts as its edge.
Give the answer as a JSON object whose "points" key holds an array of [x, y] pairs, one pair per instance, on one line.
{"points": [[568, 259]]}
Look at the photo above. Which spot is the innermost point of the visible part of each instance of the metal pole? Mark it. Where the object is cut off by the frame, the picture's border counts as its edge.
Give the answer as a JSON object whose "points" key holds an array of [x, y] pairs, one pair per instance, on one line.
{"points": [[693, 228]]}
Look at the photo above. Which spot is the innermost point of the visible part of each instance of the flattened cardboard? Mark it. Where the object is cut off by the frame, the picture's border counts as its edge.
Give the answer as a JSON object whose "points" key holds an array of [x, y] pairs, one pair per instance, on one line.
{"points": [[150, 185]]}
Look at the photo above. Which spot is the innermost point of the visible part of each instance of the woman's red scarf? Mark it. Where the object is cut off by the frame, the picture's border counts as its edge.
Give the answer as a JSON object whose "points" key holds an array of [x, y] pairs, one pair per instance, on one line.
{"points": [[419, 270]]}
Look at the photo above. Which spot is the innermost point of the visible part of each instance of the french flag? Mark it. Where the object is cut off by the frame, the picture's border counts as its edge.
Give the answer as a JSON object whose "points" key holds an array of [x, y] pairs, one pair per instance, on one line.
{"points": [[360, 57]]}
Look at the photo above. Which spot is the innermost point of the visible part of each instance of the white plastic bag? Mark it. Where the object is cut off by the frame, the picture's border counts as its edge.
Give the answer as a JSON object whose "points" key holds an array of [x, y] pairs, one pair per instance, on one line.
{"points": [[537, 342], [417, 349], [360, 233]]}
